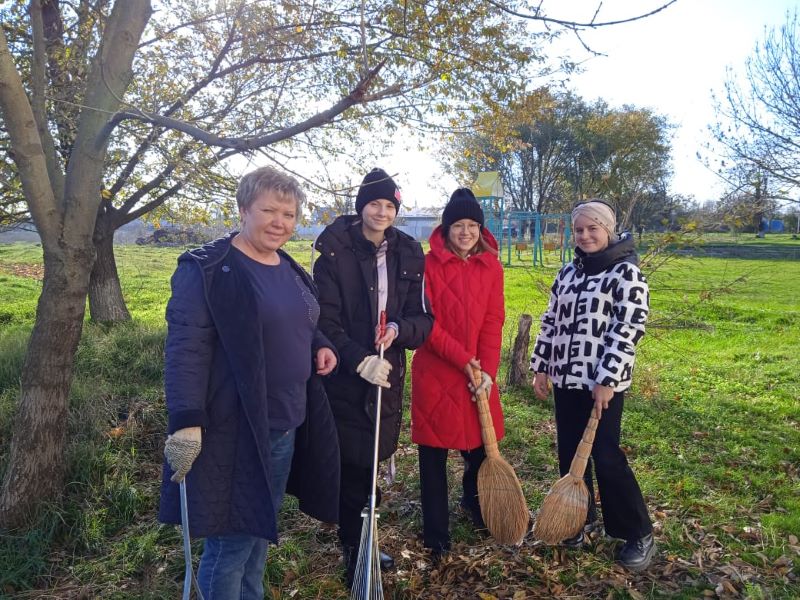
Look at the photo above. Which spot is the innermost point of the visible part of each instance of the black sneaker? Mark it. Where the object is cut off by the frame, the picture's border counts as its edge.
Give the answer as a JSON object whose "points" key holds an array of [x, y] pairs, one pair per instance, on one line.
{"points": [[387, 562], [437, 554], [635, 555], [576, 541]]}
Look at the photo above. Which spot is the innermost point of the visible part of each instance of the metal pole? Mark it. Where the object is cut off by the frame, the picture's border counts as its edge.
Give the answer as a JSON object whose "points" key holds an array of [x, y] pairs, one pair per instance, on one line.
{"points": [[187, 543]]}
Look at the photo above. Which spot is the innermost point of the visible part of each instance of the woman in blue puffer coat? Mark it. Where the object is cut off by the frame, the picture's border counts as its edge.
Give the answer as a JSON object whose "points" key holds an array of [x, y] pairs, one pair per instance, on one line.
{"points": [[248, 414]]}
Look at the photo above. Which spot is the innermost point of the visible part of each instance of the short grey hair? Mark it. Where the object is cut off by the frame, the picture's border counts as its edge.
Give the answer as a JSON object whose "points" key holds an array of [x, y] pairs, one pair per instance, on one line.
{"points": [[265, 179]]}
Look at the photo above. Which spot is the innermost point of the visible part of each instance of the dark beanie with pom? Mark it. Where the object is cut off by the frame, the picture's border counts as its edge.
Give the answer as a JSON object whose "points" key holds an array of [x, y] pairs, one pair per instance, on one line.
{"points": [[377, 185], [462, 205]]}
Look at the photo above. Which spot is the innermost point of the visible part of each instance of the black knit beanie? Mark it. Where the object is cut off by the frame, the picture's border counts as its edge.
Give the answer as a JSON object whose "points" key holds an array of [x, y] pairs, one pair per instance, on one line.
{"points": [[377, 185], [462, 205]]}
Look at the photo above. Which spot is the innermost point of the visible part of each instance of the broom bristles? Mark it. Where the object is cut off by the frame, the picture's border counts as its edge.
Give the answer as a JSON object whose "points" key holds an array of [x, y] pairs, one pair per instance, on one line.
{"points": [[563, 511], [503, 505]]}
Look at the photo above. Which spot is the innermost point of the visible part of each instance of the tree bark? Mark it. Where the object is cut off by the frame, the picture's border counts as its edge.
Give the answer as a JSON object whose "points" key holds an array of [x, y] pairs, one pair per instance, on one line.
{"points": [[106, 302], [518, 374], [36, 465]]}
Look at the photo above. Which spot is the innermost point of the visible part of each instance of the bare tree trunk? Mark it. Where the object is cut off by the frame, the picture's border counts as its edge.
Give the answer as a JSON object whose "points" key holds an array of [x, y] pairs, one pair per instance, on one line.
{"points": [[106, 303], [518, 374], [36, 465]]}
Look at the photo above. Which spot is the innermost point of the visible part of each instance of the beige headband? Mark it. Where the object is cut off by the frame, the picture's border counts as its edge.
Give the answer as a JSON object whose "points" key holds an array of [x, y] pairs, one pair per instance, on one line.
{"points": [[599, 212]]}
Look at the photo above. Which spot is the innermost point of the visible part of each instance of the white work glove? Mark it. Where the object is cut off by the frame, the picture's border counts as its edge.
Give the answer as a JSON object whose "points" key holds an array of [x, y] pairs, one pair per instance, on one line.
{"points": [[375, 370], [484, 386], [181, 448]]}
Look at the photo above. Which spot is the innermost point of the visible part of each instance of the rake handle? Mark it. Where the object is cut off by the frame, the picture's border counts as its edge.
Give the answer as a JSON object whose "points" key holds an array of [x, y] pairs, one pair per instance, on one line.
{"points": [[578, 466], [371, 536], [485, 416]]}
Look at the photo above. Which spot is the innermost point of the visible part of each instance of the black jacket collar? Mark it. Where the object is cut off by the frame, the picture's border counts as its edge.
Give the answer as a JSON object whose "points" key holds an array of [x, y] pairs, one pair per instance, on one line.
{"points": [[345, 232], [621, 251]]}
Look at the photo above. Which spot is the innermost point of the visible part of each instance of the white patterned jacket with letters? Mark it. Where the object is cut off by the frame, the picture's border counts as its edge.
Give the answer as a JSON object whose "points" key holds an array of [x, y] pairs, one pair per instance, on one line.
{"points": [[596, 314]]}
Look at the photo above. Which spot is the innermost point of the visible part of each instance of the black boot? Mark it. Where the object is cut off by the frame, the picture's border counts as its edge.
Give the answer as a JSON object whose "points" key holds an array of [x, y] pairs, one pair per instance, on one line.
{"points": [[636, 555], [473, 509], [350, 560]]}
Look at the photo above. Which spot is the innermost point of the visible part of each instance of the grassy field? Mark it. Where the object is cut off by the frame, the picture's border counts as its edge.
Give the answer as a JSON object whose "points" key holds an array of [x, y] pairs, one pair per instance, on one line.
{"points": [[711, 429]]}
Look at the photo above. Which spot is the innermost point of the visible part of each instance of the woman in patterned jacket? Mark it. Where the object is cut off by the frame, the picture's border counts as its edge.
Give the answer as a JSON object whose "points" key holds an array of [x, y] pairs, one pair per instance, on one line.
{"points": [[586, 348], [464, 282]]}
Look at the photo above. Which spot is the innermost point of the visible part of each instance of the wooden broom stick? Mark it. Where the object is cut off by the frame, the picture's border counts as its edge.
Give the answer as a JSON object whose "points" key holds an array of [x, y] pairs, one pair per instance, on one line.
{"points": [[564, 509], [503, 505]]}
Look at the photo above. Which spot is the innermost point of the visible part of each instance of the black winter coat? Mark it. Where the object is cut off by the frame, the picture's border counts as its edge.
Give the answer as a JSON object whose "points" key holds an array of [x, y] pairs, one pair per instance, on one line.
{"points": [[215, 378], [346, 276]]}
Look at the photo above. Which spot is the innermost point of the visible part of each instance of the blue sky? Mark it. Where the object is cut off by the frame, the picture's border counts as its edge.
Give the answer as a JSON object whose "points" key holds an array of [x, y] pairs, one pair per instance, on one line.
{"points": [[670, 62]]}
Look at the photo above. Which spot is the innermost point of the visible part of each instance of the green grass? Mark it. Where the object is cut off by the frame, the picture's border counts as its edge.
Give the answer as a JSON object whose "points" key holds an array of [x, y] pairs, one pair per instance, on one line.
{"points": [[711, 428]]}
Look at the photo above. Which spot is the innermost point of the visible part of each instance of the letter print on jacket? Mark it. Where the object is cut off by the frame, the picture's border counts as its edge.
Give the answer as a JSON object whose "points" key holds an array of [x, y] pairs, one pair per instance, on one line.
{"points": [[591, 327]]}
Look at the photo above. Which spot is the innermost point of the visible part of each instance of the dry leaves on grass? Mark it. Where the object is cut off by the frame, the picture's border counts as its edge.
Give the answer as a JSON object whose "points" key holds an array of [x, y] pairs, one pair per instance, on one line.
{"points": [[30, 271]]}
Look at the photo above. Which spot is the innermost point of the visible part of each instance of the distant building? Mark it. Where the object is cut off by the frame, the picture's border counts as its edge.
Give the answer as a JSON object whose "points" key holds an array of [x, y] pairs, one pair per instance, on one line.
{"points": [[418, 224]]}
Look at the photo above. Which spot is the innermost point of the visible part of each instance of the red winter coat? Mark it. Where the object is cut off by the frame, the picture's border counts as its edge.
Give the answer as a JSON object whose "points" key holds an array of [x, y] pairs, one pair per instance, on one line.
{"points": [[466, 298]]}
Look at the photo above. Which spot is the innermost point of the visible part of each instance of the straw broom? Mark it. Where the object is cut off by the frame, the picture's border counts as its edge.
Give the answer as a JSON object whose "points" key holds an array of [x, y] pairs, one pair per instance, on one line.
{"points": [[503, 505], [564, 509]]}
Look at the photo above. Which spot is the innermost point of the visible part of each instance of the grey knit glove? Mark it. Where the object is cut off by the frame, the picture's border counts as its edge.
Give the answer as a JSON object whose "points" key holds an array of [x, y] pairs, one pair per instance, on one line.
{"points": [[181, 448]]}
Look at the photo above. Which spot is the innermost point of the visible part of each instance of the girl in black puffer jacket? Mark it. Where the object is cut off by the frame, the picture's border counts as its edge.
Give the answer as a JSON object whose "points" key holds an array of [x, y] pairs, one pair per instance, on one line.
{"points": [[366, 266]]}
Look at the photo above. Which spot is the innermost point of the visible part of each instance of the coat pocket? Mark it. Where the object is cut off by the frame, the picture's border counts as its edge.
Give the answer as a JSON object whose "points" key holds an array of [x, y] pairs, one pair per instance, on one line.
{"points": [[412, 268]]}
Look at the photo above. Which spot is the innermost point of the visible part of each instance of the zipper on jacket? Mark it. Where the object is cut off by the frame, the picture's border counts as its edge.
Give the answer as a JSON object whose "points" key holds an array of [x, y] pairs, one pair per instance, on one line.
{"points": [[464, 278]]}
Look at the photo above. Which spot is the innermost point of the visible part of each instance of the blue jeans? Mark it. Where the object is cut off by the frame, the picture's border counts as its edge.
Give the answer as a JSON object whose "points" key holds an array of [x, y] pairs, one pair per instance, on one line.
{"points": [[232, 566]]}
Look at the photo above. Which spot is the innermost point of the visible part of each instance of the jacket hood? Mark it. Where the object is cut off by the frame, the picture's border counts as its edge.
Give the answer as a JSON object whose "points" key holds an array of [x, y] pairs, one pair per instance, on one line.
{"points": [[442, 254], [338, 230], [210, 252], [623, 250]]}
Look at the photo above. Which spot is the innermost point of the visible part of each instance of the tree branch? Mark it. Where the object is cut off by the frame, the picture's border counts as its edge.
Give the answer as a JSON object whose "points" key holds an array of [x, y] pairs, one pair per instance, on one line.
{"points": [[38, 102], [575, 25], [357, 96], [28, 153], [108, 81]]}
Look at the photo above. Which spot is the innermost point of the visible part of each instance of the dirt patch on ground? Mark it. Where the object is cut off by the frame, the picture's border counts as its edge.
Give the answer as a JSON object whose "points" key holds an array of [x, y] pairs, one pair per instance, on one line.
{"points": [[31, 271]]}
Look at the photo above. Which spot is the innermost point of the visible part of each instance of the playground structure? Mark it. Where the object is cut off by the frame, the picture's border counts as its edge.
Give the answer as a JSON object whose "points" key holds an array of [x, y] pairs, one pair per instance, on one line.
{"points": [[522, 232]]}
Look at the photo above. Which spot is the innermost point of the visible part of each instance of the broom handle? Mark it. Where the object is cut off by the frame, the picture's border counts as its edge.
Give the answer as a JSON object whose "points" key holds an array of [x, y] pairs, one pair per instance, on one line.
{"points": [[485, 416], [578, 465]]}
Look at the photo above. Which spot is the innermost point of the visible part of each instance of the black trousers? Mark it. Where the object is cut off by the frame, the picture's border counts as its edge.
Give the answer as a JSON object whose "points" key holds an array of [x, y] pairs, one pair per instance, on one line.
{"points": [[624, 511], [434, 495], [354, 491]]}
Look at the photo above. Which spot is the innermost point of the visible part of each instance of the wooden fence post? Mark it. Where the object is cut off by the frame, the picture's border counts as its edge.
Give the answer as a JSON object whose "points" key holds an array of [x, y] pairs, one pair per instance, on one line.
{"points": [[520, 359]]}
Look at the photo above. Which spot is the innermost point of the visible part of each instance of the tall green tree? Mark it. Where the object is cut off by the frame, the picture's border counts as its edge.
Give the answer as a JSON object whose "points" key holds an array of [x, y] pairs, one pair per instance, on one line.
{"points": [[625, 157], [553, 149]]}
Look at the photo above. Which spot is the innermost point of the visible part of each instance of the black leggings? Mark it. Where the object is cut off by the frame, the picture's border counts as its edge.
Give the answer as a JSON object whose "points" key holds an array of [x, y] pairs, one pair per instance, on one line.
{"points": [[434, 496]]}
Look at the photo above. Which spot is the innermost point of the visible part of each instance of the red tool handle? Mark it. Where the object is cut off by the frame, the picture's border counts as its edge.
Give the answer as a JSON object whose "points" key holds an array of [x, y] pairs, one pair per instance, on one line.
{"points": [[382, 323]]}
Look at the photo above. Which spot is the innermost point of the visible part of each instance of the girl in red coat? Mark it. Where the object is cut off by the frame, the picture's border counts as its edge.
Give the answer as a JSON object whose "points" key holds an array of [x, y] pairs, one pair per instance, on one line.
{"points": [[464, 283]]}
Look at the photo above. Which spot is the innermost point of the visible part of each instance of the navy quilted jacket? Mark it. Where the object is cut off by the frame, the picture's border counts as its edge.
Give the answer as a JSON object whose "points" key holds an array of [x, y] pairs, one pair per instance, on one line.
{"points": [[215, 378]]}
